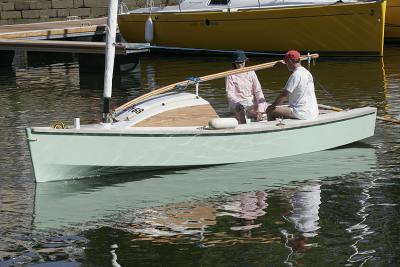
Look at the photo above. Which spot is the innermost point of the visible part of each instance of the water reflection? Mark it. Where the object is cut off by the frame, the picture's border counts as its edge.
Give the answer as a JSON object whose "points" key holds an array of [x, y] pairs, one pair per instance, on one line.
{"points": [[361, 230], [57, 204], [305, 202], [247, 207], [392, 82], [114, 262]]}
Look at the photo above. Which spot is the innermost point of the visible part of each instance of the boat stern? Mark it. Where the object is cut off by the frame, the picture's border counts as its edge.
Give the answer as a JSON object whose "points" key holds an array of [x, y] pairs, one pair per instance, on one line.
{"points": [[30, 138]]}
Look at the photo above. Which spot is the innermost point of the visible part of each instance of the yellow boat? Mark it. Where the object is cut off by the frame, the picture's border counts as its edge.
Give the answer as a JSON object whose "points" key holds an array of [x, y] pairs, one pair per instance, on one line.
{"points": [[392, 29], [325, 27]]}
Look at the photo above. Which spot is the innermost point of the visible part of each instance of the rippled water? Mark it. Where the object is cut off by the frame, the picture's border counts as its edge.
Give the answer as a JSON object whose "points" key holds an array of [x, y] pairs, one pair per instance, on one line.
{"points": [[330, 208]]}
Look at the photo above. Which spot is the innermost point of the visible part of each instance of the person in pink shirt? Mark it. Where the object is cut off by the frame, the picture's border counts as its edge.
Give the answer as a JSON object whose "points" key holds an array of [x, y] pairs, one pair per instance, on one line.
{"points": [[244, 92]]}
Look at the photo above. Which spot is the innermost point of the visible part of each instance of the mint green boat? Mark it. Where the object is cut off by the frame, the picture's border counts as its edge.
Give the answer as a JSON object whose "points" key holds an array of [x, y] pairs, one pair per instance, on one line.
{"points": [[144, 140]]}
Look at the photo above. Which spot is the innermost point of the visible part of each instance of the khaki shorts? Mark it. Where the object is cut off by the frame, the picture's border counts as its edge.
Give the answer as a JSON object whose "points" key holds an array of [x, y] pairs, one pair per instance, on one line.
{"points": [[282, 112]]}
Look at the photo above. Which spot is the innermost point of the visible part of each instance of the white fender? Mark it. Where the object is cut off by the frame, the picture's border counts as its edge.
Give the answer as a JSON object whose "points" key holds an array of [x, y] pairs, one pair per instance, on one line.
{"points": [[223, 123], [149, 30]]}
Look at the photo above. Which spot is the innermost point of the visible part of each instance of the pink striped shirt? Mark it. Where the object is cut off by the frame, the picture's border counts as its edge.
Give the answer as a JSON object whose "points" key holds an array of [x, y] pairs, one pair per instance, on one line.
{"points": [[245, 88]]}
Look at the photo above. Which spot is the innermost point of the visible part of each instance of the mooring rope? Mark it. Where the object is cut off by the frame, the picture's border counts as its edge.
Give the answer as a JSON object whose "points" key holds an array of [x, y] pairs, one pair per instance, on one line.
{"points": [[337, 101]]}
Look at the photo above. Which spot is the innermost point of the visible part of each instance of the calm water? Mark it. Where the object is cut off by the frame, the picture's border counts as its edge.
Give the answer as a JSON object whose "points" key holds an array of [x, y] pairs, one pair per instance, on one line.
{"points": [[331, 208]]}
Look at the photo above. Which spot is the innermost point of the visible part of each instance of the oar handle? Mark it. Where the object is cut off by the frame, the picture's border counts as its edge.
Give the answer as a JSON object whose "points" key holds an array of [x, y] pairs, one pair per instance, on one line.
{"points": [[329, 107], [388, 120], [204, 79]]}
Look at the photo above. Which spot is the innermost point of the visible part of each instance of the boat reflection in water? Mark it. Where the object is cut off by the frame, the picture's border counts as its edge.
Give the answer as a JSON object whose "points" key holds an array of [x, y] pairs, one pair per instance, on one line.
{"points": [[89, 202], [392, 28], [391, 68]]}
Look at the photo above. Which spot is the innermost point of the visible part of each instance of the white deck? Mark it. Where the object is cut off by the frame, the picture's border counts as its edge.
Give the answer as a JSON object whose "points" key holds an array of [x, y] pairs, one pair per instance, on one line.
{"points": [[252, 127]]}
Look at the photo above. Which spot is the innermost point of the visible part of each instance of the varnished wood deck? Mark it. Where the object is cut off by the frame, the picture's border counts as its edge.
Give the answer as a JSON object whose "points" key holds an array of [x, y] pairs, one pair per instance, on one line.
{"points": [[188, 116]]}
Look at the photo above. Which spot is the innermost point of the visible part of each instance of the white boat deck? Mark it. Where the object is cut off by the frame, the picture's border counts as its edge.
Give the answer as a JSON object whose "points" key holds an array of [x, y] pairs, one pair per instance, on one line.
{"points": [[253, 127]]}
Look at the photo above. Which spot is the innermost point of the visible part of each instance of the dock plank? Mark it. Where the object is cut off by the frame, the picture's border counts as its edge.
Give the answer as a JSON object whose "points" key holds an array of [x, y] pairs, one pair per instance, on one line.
{"points": [[40, 37], [69, 46], [51, 30]]}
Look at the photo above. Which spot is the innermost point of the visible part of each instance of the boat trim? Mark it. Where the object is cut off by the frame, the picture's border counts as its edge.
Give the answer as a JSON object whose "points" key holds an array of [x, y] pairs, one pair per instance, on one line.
{"points": [[172, 49], [196, 132]]}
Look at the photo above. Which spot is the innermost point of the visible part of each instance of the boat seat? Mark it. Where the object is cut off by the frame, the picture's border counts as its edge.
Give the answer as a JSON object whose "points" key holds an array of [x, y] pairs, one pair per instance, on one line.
{"points": [[198, 115]]}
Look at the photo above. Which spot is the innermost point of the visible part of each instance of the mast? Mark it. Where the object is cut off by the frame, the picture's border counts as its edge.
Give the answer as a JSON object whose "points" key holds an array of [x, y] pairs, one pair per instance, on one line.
{"points": [[110, 55]]}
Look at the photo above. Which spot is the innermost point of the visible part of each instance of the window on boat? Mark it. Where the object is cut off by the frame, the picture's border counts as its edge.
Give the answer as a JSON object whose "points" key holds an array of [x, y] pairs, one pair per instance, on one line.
{"points": [[219, 2]]}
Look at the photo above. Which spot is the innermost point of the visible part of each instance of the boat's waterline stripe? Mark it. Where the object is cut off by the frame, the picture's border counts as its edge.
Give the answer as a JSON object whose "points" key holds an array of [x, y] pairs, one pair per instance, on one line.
{"points": [[203, 133], [274, 53], [216, 51]]}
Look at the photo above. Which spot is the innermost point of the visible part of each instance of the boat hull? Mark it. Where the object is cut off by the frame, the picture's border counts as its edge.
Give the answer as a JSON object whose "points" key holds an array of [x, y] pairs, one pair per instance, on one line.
{"points": [[71, 153], [392, 29], [352, 28]]}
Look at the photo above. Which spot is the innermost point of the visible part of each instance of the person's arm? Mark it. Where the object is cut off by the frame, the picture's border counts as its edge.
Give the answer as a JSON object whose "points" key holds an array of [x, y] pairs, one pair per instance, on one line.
{"points": [[291, 84], [230, 90], [258, 94], [283, 96]]}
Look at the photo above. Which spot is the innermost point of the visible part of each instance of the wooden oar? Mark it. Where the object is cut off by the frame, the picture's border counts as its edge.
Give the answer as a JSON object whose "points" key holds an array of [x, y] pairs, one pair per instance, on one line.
{"points": [[377, 117], [329, 107], [203, 79]]}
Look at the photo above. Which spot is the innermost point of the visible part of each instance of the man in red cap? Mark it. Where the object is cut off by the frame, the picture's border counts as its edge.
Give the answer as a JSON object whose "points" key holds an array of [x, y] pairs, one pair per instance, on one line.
{"points": [[299, 91]]}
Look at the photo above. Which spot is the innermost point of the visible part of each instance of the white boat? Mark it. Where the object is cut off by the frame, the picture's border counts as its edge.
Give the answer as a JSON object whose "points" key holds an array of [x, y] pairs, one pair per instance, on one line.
{"points": [[164, 129]]}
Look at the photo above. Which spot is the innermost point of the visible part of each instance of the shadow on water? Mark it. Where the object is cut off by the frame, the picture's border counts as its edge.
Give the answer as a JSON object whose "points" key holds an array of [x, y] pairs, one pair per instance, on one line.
{"points": [[8, 77], [42, 59]]}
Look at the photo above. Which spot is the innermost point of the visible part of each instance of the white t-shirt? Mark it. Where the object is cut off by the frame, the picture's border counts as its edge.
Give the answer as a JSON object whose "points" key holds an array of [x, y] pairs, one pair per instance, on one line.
{"points": [[302, 98]]}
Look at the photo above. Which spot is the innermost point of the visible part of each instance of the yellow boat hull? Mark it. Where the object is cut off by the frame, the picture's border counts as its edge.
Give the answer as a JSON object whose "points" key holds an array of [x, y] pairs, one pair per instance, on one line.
{"points": [[356, 28], [392, 30]]}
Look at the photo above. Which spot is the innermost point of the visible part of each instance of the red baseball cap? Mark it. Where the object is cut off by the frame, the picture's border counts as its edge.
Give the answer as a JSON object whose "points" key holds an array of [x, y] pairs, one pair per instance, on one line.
{"points": [[292, 54]]}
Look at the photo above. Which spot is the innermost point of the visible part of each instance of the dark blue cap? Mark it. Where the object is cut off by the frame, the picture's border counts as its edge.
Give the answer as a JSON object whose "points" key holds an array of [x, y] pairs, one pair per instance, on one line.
{"points": [[239, 57]]}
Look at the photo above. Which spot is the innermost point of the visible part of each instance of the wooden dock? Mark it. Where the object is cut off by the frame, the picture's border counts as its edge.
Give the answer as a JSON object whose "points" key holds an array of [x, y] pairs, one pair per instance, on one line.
{"points": [[40, 37], [69, 46], [55, 29]]}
